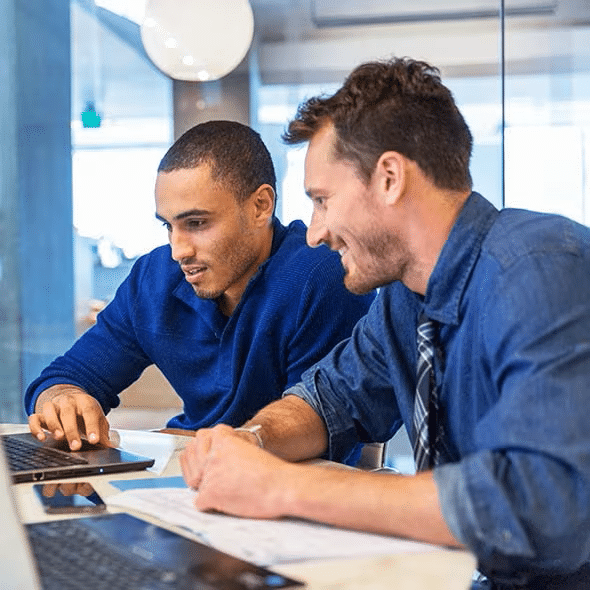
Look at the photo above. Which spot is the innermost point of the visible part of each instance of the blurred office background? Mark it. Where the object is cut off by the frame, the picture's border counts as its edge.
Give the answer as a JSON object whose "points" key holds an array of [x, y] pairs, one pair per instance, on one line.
{"points": [[85, 117]]}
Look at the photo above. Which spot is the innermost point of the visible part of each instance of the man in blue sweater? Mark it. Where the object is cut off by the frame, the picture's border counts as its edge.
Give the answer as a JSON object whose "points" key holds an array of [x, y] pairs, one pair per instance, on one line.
{"points": [[232, 311]]}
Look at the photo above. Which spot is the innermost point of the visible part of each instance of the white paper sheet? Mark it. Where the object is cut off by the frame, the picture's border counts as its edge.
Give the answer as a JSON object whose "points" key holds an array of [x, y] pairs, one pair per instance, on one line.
{"points": [[157, 445], [265, 542]]}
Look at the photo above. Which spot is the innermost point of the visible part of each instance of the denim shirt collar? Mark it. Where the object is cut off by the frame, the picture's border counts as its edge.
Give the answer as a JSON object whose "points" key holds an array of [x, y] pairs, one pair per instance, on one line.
{"points": [[457, 258]]}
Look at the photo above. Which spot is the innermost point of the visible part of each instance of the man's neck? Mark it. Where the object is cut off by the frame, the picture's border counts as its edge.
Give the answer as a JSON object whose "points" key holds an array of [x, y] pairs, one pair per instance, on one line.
{"points": [[228, 301], [430, 222]]}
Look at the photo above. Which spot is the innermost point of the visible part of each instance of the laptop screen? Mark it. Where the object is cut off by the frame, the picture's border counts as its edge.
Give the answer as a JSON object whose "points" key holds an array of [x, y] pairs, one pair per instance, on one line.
{"points": [[17, 567]]}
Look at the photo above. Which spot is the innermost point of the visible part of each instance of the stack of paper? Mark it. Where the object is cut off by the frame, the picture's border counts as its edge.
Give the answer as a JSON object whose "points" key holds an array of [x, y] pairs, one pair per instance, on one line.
{"points": [[265, 542]]}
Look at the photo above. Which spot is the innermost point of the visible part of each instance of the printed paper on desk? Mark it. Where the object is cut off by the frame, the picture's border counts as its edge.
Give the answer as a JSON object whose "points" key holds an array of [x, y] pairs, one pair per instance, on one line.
{"points": [[157, 445], [265, 542]]}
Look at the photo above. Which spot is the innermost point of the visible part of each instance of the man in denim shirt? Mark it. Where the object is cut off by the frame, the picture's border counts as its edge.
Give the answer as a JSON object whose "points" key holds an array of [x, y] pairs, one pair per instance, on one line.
{"points": [[387, 169]]}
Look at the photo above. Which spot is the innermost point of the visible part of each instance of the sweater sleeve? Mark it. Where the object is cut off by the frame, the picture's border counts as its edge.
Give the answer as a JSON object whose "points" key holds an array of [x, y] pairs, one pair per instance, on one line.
{"points": [[106, 359]]}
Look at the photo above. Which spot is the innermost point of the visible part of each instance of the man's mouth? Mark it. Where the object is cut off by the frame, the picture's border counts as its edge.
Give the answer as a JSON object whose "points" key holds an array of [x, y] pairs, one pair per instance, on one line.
{"points": [[344, 261], [193, 271]]}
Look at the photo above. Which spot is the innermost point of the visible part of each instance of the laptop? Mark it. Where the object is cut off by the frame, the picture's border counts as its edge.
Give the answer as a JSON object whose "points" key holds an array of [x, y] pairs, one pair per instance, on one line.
{"points": [[32, 460], [114, 551]]}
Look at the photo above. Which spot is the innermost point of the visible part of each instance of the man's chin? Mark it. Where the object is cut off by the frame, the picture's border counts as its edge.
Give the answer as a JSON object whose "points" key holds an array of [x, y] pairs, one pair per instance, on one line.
{"points": [[356, 287], [206, 293]]}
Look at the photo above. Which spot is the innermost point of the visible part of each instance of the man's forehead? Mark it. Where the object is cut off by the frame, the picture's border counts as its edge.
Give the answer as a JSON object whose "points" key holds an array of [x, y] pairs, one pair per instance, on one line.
{"points": [[202, 170], [323, 139], [320, 150]]}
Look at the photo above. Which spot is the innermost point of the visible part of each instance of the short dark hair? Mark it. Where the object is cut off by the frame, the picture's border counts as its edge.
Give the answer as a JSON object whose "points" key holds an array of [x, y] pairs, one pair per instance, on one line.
{"points": [[399, 105], [236, 154]]}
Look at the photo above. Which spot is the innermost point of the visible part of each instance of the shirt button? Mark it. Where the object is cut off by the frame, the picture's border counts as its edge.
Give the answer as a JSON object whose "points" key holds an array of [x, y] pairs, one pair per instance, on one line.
{"points": [[506, 535]]}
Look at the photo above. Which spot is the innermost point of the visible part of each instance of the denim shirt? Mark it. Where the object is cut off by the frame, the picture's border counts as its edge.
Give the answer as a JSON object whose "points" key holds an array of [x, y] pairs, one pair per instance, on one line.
{"points": [[511, 295]]}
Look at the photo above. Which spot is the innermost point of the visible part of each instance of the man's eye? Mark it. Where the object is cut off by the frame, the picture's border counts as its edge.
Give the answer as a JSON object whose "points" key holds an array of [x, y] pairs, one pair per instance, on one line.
{"points": [[194, 223]]}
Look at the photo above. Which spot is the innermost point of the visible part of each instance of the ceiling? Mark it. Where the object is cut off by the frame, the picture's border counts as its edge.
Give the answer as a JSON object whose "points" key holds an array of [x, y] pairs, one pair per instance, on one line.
{"points": [[300, 41]]}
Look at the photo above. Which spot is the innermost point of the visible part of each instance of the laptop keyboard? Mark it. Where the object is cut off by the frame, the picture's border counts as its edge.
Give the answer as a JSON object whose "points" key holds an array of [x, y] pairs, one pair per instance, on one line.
{"points": [[23, 455], [72, 556]]}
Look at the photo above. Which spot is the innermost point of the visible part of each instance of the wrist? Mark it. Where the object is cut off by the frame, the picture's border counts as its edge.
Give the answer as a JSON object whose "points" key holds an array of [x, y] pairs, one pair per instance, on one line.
{"points": [[253, 429]]}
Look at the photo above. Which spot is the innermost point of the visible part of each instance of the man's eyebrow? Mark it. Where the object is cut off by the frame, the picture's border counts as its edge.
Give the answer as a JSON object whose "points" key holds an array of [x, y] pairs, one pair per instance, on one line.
{"points": [[312, 192], [184, 214]]}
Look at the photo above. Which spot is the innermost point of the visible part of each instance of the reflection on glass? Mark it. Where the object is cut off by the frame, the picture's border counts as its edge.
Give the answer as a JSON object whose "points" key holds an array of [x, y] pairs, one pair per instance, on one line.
{"points": [[479, 99], [548, 121]]}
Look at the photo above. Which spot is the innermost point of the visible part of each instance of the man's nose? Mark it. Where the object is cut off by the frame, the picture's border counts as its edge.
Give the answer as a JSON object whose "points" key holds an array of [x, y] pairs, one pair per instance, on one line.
{"points": [[181, 245], [317, 233]]}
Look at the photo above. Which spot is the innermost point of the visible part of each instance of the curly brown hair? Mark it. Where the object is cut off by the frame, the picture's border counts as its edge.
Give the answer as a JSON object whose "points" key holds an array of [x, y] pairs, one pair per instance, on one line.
{"points": [[396, 105]]}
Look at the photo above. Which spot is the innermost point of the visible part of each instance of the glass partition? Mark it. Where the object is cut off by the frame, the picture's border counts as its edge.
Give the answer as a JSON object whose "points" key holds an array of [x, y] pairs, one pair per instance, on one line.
{"points": [[547, 135], [122, 125], [531, 130]]}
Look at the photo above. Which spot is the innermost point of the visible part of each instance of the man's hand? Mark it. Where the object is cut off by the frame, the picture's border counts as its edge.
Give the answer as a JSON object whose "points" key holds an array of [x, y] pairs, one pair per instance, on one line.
{"points": [[67, 411], [194, 457], [233, 475], [82, 488]]}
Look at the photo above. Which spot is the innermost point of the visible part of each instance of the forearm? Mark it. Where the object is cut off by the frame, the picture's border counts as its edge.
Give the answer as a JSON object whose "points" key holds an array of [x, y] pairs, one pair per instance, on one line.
{"points": [[403, 506], [291, 429], [237, 477]]}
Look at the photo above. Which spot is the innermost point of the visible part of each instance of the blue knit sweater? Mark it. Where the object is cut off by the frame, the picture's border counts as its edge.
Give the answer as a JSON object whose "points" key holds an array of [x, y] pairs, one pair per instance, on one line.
{"points": [[293, 311]]}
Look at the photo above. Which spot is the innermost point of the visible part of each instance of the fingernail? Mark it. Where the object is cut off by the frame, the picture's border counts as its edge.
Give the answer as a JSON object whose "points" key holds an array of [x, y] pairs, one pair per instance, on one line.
{"points": [[92, 437], [41, 436]]}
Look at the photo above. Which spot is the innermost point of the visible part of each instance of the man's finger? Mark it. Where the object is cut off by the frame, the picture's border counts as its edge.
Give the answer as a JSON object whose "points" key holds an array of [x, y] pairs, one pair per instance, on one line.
{"points": [[68, 489], [52, 420], [69, 422], [36, 428], [188, 466], [48, 490], [194, 458], [96, 432]]}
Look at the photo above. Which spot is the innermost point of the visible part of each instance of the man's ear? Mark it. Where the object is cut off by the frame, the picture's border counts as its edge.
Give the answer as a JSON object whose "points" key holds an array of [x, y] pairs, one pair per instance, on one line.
{"points": [[263, 200], [390, 176]]}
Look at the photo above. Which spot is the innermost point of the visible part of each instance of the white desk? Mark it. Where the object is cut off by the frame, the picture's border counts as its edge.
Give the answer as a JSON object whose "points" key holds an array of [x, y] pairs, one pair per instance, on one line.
{"points": [[440, 569]]}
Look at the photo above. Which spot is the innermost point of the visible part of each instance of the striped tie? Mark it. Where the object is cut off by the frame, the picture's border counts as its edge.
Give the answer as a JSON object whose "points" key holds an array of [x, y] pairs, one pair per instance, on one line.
{"points": [[430, 446], [425, 403]]}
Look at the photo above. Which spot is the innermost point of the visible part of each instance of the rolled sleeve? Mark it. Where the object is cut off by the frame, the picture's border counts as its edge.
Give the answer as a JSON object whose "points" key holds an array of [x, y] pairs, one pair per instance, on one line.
{"points": [[473, 517], [342, 436], [515, 534]]}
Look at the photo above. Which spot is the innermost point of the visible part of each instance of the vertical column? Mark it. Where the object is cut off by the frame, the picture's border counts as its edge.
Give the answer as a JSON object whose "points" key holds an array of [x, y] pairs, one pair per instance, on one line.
{"points": [[9, 219], [234, 97], [36, 241], [196, 102]]}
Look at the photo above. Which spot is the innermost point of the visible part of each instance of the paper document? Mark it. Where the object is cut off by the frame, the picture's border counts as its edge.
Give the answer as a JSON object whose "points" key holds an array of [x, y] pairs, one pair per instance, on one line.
{"points": [[264, 542], [156, 445]]}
